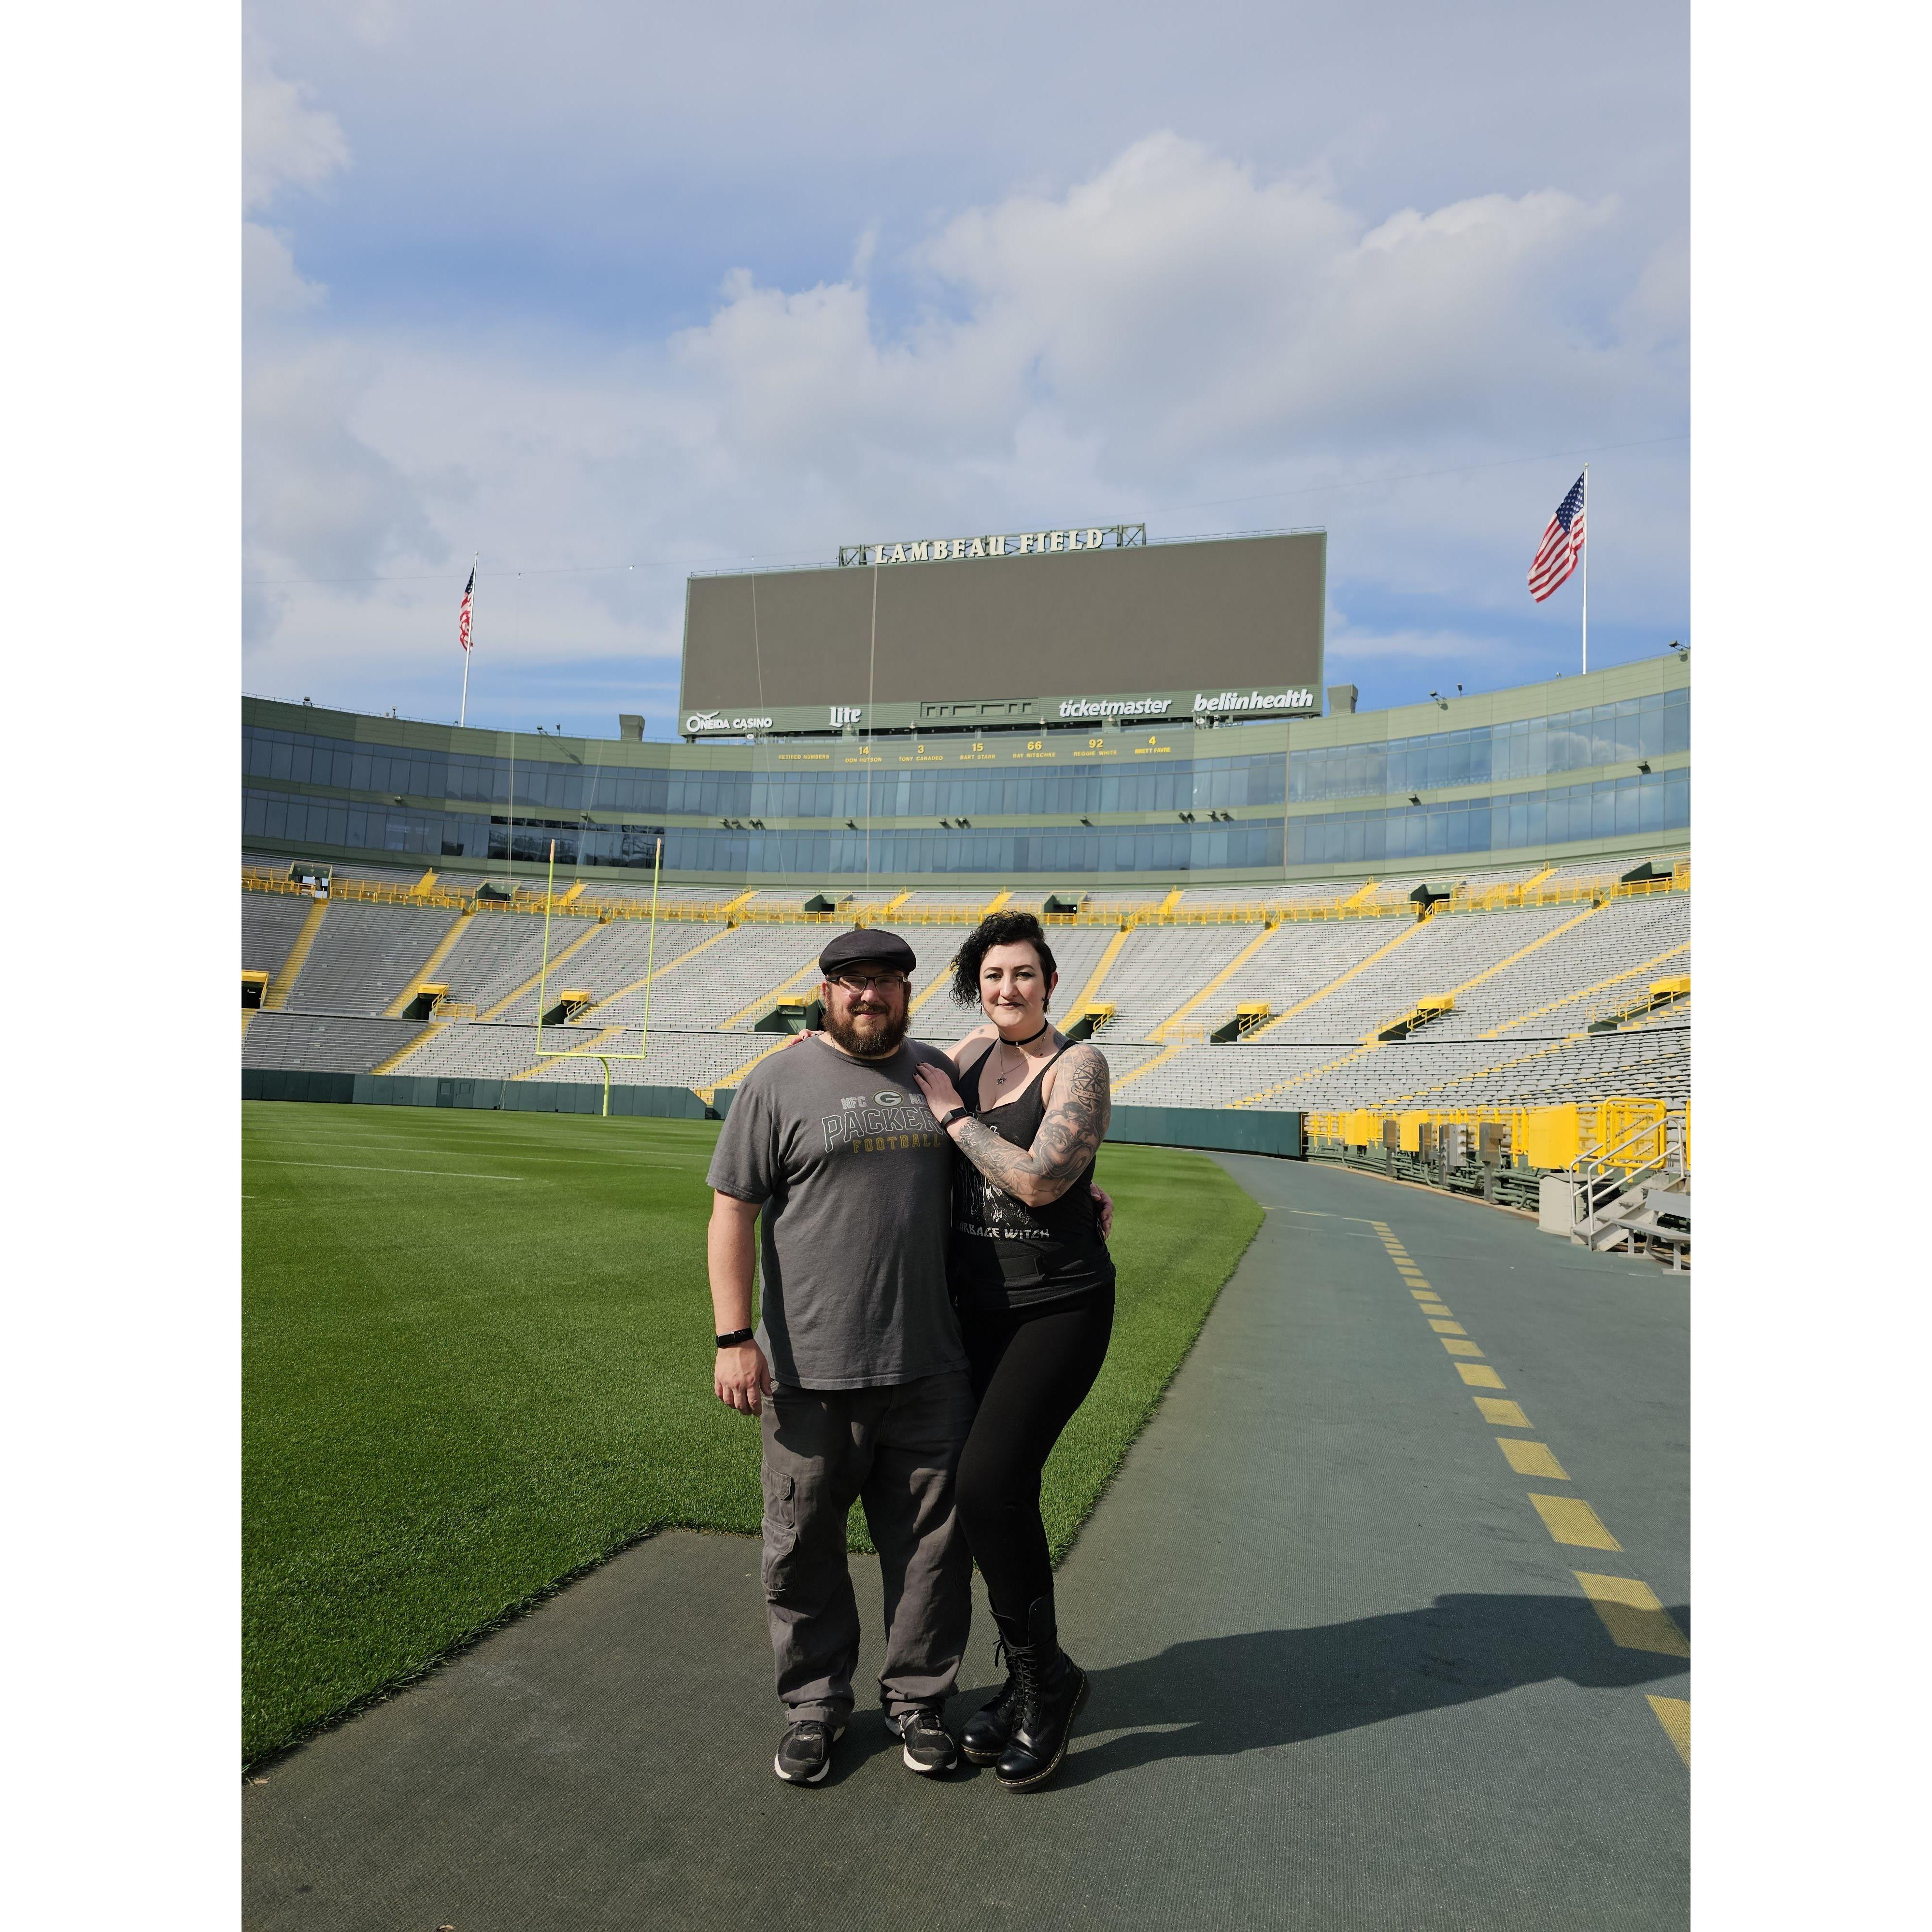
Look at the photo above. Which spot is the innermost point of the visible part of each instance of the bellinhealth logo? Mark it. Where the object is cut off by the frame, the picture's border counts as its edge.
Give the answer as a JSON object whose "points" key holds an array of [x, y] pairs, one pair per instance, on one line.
{"points": [[1256, 700]]}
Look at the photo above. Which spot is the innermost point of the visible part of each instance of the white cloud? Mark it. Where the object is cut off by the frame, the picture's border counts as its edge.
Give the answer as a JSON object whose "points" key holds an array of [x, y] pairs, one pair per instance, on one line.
{"points": [[320, 500], [1175, 312], [270, 283], [285, 142], [1175, 327]]}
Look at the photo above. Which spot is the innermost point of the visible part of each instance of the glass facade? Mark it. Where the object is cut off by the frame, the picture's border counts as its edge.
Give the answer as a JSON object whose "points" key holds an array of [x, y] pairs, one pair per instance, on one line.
{"points": [[1531, 748], [1655, 801], [1208, 785]]}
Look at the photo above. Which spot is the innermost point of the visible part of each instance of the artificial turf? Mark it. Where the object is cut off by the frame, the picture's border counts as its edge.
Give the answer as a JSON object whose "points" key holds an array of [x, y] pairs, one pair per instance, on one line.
{"points": [[477, 1358]]}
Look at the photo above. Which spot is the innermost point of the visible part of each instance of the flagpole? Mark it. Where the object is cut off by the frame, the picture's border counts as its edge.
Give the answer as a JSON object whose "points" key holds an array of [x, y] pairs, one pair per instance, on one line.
{"points": [[463, 713], [1586, 570]]}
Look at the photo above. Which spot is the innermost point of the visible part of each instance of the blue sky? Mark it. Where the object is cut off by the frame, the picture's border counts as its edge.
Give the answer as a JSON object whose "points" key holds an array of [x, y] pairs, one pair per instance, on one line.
{"points": [[611, 293]]}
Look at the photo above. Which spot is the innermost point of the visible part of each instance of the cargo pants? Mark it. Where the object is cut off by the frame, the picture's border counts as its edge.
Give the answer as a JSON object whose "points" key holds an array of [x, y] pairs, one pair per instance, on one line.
{"points": [[894, 1449]]}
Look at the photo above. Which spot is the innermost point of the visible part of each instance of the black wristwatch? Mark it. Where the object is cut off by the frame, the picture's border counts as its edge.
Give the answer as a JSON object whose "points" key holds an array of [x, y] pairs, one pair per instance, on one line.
{"points": [[961, 1113], [736, 1338]]}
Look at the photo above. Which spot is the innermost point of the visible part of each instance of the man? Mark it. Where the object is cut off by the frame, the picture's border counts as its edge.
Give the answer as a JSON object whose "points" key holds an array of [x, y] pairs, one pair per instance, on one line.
{"points": [[856, 1367]]}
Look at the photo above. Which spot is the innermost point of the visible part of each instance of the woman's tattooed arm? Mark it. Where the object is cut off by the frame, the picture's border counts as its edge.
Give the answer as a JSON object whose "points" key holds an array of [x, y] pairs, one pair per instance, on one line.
{"points": [[1076, 1124]]}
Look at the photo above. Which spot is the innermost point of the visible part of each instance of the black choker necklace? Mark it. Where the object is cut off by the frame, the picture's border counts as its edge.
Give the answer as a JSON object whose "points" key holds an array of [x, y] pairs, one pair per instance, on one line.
{"points": [[1031, 1037]]}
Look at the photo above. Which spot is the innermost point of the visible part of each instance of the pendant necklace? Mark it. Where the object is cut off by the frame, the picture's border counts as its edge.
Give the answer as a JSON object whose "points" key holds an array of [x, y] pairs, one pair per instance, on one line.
{"points": [[1028, 1041]]}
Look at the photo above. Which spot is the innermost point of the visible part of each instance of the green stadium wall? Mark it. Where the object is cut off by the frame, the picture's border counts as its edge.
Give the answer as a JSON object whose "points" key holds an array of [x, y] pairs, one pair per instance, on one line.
{"points": [[1232, 1130]]}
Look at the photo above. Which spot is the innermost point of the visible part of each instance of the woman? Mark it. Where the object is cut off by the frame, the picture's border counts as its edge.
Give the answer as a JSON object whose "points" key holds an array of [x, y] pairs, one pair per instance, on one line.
{"points": [[1036, 1288]]}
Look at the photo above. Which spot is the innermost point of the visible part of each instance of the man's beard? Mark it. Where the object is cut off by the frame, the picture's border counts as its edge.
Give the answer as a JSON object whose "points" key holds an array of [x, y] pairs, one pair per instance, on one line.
{"points": [[867, 1035]]}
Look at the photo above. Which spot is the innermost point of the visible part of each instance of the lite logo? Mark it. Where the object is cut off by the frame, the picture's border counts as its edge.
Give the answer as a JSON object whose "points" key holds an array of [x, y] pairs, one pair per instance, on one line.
{"points": [[847, 714]]}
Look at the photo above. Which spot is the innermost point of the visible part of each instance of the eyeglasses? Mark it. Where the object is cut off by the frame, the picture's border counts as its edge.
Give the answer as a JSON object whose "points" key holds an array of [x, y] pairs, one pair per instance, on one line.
{"points": [[866, 983]]}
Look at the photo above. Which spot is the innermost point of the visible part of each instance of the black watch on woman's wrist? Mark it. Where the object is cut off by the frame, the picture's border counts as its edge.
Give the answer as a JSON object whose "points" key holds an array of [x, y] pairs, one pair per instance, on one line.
{"points": [[736, 1338], [961, 1113]]}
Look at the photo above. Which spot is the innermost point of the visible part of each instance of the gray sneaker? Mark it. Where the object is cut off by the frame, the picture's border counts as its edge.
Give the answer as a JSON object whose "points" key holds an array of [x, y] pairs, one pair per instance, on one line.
{"points": [[928, 1744], [805, 1751]]}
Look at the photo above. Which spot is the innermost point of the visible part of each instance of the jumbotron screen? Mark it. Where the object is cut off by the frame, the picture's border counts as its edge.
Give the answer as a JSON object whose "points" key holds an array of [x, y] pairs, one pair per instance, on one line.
{"points": [[1047, 627]]}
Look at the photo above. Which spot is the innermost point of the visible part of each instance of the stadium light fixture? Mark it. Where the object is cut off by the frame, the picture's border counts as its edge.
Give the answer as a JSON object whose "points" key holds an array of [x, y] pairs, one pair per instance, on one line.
{"points": [[1086, 822], [967, 824], [1643, 765], [1415, 798], [851, 825]]}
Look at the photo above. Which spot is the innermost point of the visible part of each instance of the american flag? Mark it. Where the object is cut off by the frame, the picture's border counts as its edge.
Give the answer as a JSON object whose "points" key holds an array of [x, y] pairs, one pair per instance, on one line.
{"points": [[1562, 545], [463, 614]]}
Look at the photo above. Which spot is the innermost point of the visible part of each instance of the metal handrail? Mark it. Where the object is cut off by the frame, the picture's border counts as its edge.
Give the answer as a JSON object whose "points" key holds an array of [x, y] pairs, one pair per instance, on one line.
{"points": [[1259, 912]]}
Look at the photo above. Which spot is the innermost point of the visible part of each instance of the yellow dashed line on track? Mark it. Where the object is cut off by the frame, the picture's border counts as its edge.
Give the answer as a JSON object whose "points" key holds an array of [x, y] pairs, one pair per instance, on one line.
{"points": [[1531, 1459], [1633, 1614], [1674, 1714], [1570, 1520], [1448, 1328], [1501, 1415], [1480, 1375], [1462, 1348]]}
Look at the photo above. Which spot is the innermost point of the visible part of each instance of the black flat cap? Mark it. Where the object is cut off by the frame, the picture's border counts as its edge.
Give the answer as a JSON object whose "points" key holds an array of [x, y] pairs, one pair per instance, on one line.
{"points": [[885, 948]]}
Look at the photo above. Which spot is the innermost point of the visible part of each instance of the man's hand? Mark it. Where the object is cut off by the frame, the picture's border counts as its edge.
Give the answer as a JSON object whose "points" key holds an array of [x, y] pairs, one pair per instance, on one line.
{"points": [[743, 1378], [1105, 1202]]}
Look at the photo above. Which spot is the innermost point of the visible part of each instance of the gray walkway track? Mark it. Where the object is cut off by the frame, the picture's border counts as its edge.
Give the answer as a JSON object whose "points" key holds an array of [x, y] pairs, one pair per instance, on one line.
{"points": [[1343, 1676]]}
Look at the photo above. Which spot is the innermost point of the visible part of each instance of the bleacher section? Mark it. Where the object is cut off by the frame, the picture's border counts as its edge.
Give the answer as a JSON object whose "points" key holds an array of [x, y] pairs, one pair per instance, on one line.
{"points": [[325, 1042], [1337, 966], [365, 955], [269, 929]]}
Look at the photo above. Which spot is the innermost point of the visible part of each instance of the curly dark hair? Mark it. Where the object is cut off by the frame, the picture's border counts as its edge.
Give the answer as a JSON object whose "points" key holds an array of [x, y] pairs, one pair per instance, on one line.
{"points": [[997, 928]]}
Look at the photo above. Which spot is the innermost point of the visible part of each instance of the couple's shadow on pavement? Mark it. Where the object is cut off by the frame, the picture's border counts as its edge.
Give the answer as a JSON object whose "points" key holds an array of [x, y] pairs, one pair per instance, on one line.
{"points": [[1266, 1690]]}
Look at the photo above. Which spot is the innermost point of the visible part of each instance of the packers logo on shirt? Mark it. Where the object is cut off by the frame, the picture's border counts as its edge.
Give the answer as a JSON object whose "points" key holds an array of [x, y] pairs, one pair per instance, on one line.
{"points": [[890, 1122]]}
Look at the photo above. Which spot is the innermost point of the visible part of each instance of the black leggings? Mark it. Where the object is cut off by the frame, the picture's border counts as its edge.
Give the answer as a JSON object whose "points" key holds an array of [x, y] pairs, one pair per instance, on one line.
{"points": [[1030, 1371]]}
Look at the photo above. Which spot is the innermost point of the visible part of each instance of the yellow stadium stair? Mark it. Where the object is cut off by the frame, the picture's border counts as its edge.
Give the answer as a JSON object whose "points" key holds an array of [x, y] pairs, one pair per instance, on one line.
{"points": [[1091, 992], [1380, 952], [530, 985], [402, 1052], [1476, 1073], [1294, 1080], [709, 1095], [399, 1004], [1490, 972], [602, 1037], [1180, 1012], [1172, 900], [732, 905], [1584, 992], [284, 983], [1363, 893], [651, 979], [993, 904], [424, 884], [764, 1003]]}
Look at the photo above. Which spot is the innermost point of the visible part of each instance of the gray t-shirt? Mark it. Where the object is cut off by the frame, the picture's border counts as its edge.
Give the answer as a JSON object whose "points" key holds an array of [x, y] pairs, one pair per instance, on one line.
{"points": [[855, 1180]]}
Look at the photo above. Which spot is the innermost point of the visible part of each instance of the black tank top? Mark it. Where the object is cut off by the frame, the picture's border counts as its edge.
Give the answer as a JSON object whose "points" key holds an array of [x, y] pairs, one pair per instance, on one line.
{"points": [[1008, 1255]]}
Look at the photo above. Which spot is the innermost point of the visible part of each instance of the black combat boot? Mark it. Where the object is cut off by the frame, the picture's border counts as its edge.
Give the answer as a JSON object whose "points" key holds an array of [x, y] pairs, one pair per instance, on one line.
{"points": [[984, 1738], [1052, 1690]]}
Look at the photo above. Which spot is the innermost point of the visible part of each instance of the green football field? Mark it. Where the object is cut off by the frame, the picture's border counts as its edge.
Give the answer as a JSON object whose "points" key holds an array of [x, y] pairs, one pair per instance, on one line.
{"points": [[477, 1358]]}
